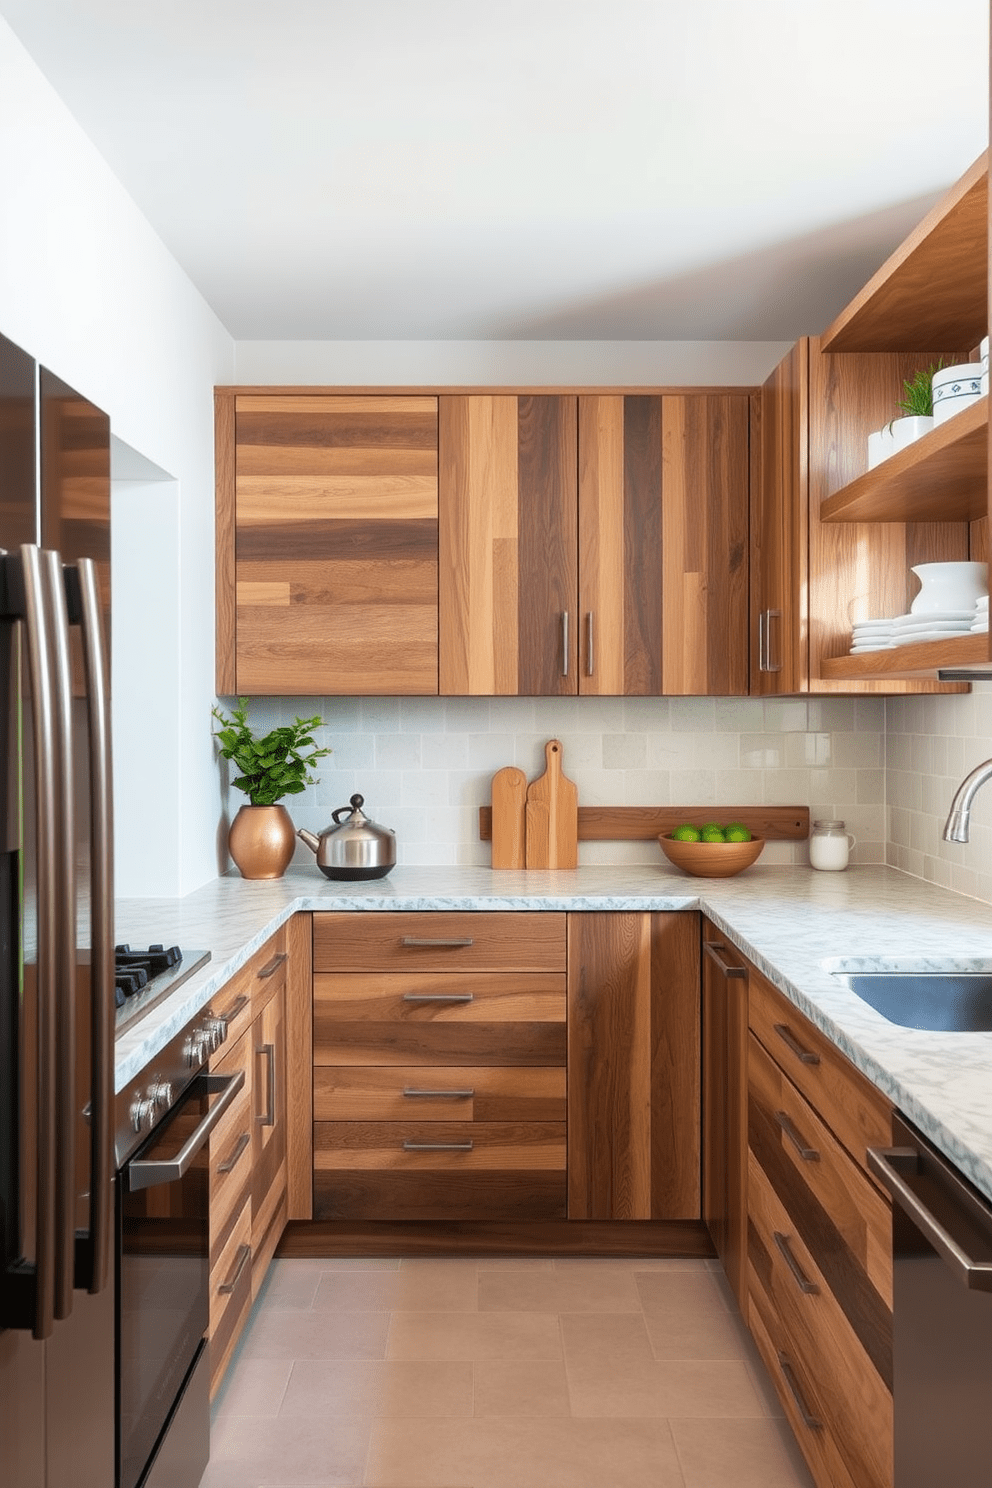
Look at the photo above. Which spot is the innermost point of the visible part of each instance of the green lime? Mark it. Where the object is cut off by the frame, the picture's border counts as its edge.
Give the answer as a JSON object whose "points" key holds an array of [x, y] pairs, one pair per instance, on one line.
{"points": [[737, 832], [686, 833], [713, 834], [711, 827]]}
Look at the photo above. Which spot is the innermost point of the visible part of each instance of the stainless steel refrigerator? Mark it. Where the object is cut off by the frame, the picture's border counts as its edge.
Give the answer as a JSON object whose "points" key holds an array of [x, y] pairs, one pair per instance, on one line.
{"points": [[57, 1284]]}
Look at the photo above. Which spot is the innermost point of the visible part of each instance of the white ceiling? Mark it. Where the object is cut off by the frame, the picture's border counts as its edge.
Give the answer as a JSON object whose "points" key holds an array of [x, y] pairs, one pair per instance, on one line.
{"points": [[535, 169]]}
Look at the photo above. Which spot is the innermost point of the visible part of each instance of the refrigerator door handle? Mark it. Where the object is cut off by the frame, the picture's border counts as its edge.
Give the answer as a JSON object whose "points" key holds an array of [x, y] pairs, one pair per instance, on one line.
{"points": [[65, 968], [83, 597]]}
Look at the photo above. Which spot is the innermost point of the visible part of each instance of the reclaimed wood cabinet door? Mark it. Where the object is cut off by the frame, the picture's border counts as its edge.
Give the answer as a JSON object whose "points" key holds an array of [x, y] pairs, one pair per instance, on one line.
{"points": [[633, 1066], [326, 544]]}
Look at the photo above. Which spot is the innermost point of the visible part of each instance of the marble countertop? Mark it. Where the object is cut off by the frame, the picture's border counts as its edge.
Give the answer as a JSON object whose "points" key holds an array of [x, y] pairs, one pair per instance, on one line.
{"points": [[792, 922]]}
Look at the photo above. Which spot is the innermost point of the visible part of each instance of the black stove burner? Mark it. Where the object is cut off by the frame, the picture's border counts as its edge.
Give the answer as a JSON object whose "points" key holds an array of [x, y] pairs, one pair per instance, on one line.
{"points": [[135, 969]]}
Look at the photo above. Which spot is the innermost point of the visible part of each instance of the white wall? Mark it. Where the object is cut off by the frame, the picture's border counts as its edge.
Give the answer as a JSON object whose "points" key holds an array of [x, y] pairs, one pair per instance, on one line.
{"points": [[88, 289]]}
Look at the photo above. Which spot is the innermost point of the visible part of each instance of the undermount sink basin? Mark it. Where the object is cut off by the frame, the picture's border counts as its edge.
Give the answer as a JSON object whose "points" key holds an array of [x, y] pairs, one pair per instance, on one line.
{"points": [[958, 1001]]}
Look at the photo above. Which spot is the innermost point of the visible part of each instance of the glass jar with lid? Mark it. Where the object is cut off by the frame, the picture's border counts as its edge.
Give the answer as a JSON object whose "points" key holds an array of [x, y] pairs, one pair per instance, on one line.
{"points": [[830, 846]]}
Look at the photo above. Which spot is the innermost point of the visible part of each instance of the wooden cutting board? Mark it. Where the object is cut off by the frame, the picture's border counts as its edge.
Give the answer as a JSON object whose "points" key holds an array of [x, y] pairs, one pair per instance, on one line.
{"points": [[509, 808], [552, 815]]}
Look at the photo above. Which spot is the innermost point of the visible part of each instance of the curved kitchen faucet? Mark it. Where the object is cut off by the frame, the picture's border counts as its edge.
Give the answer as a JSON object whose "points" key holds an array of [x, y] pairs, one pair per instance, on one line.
{"points": [[958, 818]]}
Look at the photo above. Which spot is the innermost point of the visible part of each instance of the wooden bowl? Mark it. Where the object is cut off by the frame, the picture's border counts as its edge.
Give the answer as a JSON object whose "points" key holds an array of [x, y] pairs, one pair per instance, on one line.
{"points": [[712, 859]]}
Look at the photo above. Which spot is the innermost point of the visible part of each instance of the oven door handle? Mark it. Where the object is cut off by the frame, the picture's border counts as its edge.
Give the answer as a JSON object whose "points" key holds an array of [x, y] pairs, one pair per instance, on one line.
{"points": [[153, 1171]]}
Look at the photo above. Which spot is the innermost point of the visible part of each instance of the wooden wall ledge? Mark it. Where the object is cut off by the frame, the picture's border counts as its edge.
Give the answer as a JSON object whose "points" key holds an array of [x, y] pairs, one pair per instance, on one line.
{"points": [[644, 823]]}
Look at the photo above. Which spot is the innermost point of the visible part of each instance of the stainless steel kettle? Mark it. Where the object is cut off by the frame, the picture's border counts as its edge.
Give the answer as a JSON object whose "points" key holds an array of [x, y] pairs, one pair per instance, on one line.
{"points": [[354, 848]]}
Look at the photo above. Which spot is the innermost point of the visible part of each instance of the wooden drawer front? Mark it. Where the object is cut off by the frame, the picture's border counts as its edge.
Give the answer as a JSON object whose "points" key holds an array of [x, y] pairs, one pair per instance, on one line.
{"points": [[855, 1402], [473, 942], [372, 1018], [484, 1093], [230, 1295], [250, 988], [857, 1113], [843, 1218], [230, 1150], [817, 1443], [512, 1171]]}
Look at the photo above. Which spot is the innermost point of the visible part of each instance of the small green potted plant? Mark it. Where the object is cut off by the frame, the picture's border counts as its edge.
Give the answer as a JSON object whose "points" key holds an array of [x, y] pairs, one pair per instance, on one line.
{"points": [[262, 836], [917, 407]]}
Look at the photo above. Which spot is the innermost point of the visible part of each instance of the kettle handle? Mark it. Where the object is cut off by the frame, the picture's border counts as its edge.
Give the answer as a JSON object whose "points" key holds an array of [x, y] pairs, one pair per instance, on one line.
{"points": [[357, 802]]}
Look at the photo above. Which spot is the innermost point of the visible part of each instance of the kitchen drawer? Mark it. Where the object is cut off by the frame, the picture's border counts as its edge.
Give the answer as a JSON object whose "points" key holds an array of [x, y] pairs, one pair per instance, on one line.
{"points": [[230, 1150], [482, 1093], [857, 1113], [429, 1018], [439, 942], [250, 988], [511, 1170], [843, 1218], [852, 1399], [230, 1295]]}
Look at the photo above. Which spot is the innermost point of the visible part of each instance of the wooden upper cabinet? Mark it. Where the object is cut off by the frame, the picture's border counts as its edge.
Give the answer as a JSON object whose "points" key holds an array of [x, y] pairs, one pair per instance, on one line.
{"points": [[327, 544], [594, 544], [779, 505]]}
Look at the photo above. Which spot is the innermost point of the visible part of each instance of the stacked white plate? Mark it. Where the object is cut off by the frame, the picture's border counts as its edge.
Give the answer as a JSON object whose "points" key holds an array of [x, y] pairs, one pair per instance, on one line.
{"points": [[932, 625], [980, 623], [871, 635]]}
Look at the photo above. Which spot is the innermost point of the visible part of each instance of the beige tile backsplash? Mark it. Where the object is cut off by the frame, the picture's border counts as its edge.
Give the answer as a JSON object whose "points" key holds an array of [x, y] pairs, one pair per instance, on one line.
{"points": [[424, 765]]}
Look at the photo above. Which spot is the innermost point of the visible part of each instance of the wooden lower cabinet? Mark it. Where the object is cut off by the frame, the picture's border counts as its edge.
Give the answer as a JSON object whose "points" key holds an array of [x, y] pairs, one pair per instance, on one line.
{"points": [[724, 1104]]}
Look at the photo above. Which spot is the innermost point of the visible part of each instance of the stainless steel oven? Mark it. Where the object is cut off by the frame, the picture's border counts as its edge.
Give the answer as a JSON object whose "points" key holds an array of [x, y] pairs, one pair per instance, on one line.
{"points": [[164, 1122]]}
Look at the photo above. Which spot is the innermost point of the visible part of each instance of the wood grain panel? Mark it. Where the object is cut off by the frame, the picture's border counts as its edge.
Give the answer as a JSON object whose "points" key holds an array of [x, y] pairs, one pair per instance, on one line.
{"points": [[564, 1237], [401, 1094], [365, 1197], [344, 1146], [705, 545], [724, 1107], [644, 823], [224, 537], [547, 544], [633, 1060], [229, 1310], [359, 401], [512, 941], [299, 1057], [229, 1152], [337, 481], [779, 526]]}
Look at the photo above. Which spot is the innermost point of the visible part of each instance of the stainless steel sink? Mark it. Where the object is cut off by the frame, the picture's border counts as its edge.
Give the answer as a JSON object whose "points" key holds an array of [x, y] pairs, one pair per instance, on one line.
{"points": [[944, 1001]]}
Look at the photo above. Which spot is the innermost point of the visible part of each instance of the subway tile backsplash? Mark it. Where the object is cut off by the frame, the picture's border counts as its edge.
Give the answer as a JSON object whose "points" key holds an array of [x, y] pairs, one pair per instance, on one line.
{"points": [[424, 765]]}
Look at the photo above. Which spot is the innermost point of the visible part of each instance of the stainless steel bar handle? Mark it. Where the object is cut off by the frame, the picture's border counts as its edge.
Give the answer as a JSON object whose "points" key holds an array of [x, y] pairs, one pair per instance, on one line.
{"points": [[762, 640], [808, 1154], [269, 1051], [241, 1261], [795, 1390], [230, 1163], [894, 1166], [273, 966], [794, 1046], [713, 949], [101, 927], [798, 1274], [438, 997], [438, 1146], [229, 1015], [40, 682], [411, 1094], [771, 666], [452, 941], [564, 643], [65, 970], [590, 646], [148, 1173]]}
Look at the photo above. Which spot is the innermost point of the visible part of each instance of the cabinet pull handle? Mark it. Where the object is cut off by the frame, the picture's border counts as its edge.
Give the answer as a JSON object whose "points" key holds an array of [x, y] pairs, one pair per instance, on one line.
{"points": [[239, 1147], [798, 1274], [243, 1257], [452, 942], [590, 649], [794, 1046], [438, 1146], [712, 948], [790, 1379], [439, 1094], [771, 666], [233, 1011], [762, 640], [273, 966], [438, 996], [564, 643], [269, 1119], [808, 1154]]}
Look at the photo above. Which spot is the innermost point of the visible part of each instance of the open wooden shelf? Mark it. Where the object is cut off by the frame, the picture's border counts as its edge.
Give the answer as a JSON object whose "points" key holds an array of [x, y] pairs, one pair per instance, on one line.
{"points": [[940, 478], [907, 661], [933, 289]]}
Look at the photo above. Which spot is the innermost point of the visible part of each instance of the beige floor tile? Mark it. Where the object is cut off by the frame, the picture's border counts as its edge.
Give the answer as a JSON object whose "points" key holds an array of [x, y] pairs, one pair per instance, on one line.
{"points": [[290, 1284], [583, 1288], [467, 1335], [605, 1336], [685, 1294], [520, 1387], [434, 1288], [516, 1263], [666, 1387], [741, 1454], [353, 1388], [318, 1450], [523, 1454], [253, 1387], [289, 1334], [710, 1334]]}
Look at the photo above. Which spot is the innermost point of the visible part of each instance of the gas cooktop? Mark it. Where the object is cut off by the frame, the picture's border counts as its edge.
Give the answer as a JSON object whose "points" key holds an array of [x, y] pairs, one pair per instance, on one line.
{"points": [[143, 977]]}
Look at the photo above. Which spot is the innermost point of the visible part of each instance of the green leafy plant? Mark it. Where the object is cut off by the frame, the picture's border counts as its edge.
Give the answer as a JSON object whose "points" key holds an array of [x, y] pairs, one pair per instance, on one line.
{"points": [[918, 402], [271, 767]]}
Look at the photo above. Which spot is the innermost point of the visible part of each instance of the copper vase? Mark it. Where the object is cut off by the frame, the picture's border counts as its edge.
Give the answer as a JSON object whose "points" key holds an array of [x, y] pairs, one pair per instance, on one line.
{"points": [[261, 841]]}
